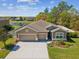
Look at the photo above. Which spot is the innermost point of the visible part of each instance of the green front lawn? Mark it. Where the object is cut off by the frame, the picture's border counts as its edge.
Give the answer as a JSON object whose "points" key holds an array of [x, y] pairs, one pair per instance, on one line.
{"points": [[65, 53], [4, 51]]}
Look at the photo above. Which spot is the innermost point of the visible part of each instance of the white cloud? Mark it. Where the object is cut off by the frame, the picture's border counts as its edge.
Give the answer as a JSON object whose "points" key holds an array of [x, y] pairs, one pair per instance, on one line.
{"points": [[11, 4], [10, 7], [4, 4], [52, 2], [24, 8], [30, 1]]}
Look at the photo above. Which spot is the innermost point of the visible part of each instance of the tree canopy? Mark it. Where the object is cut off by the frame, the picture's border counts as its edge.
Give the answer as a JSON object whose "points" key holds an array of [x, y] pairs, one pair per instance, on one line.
{"points": [[62, 14]]}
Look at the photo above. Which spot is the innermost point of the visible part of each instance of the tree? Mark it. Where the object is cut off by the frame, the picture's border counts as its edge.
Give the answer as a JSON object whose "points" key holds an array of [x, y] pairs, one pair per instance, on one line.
{"points": [[46, 11], [75, 23], [49, 18], [54, 14], [62, 14], [65, 19], [7, 28], [57, 10], [63, 6], [42, 16]]}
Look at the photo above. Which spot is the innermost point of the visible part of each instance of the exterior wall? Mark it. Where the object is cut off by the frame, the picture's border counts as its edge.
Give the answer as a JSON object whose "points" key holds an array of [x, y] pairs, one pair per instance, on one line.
{"points": [[54, 34], [42, 36], [38, 36], [27, 30], [28, 33], [27, 37]]}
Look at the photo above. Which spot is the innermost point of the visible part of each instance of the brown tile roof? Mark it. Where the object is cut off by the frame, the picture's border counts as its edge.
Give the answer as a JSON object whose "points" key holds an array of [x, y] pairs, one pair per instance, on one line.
{"points": [[40, 26]]}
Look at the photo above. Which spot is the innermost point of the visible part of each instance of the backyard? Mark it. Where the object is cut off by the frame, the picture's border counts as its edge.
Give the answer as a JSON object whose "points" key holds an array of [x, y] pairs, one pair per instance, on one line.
{"points": [[65, 53], [5, 51]]}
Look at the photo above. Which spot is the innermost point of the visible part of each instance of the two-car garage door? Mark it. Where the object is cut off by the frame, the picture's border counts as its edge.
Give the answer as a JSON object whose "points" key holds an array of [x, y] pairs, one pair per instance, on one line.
{"points": [[29, 37], [32, 37]]}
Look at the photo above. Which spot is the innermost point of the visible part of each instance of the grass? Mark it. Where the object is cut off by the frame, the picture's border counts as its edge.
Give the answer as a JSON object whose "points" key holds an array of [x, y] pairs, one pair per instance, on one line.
{"points": [[16, 27], [4, 52], [17, 22], [26, 22], [1, 44], [67, 53]]}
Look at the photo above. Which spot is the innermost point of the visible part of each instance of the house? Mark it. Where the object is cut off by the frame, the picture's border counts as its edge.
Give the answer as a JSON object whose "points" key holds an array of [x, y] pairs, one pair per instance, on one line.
{"points": [[42, 30]]}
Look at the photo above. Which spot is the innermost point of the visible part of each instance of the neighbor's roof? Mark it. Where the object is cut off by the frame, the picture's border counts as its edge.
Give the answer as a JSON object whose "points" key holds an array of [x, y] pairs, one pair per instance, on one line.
{"points": [[3, 18]]}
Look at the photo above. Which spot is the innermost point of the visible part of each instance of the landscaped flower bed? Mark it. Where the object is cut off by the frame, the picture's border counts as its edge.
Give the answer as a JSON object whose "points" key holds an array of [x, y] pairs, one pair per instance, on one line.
{"points": [[61, 44]]}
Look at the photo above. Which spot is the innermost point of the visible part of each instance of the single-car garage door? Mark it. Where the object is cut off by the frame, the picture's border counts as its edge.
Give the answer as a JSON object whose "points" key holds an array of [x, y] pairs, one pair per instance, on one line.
{"points": [[42, 36], [27, 37]]}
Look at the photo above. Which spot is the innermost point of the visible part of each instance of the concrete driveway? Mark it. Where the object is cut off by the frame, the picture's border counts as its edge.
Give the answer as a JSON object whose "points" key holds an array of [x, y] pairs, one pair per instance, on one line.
{"points": [[29, 50]]}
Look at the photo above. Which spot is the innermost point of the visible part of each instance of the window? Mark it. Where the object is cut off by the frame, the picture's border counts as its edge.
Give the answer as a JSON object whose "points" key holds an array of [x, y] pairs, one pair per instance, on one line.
{"points": [[59, 35]]}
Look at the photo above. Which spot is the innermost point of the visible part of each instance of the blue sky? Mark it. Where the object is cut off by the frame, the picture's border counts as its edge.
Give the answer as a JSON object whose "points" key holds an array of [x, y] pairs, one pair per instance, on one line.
{"points": [[29, 7]]}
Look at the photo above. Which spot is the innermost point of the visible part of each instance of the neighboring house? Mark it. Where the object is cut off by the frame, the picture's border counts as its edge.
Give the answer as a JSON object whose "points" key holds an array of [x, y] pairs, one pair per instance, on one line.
{"points": [[22, 18], [42, 30]]}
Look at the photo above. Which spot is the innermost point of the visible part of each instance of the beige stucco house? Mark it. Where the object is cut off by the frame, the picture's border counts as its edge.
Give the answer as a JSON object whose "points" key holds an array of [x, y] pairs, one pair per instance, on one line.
{"points": [[42, 30]]}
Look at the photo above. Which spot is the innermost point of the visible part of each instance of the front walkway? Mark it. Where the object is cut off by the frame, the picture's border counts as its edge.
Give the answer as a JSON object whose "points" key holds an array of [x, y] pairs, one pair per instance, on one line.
{"points": [[29, 50]]}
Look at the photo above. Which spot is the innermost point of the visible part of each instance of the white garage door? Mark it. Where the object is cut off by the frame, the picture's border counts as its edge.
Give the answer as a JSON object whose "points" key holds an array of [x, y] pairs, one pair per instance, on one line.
{"points": [[27, 37]]}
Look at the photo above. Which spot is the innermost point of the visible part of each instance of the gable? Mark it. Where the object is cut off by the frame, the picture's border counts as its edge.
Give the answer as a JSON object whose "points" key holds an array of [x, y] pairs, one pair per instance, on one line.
{"points": [[26, 30], [60, 30]]}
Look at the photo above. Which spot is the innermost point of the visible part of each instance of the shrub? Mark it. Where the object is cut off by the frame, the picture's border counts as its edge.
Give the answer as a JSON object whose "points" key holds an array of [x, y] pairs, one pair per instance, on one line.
{"points": [[74, 34], [58, 43], [10, 36], [61, 44], [9, 47]]}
